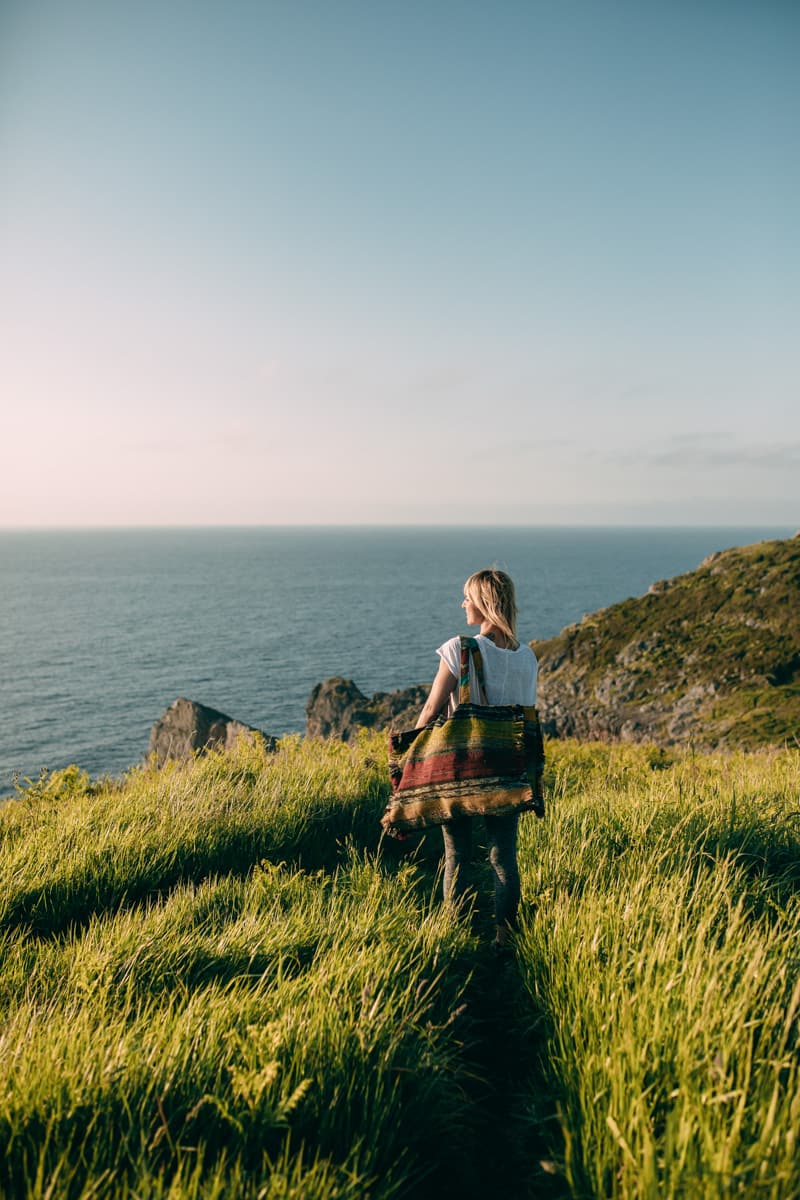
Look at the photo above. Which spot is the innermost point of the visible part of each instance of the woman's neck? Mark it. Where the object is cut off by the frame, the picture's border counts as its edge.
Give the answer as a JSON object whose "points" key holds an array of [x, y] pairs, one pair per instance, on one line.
{"points": [[497, 636]]}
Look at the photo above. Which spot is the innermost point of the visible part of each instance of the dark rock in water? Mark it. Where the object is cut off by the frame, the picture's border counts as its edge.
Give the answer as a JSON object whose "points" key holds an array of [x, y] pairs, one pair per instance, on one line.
{"points": [[338, 708], [187, 727]]}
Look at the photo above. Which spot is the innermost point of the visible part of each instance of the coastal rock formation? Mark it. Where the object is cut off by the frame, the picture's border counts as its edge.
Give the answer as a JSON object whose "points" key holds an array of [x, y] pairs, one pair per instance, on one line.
{"points": [[338, 709], [711, 657], [187, 726]]}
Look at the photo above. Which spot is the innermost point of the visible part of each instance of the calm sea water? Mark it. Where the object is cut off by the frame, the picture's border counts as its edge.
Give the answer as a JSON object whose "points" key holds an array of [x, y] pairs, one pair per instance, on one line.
{"points": [[101, 629]]}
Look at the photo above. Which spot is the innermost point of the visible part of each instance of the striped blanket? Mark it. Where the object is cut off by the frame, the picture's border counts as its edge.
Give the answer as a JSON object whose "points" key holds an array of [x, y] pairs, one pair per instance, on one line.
{"points": [[482, 760]]}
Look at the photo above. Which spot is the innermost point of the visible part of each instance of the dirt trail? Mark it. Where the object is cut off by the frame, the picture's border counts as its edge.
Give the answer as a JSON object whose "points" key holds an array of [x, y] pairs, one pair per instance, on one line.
{"points": [[513, 1140]]}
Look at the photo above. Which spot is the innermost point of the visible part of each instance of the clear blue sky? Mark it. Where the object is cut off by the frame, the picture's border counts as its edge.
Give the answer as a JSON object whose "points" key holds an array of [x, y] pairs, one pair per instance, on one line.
{"points": [[399, 262]]}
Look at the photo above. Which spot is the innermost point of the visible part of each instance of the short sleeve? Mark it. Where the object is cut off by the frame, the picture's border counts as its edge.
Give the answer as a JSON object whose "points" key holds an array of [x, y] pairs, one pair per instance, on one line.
{"points": [[450, 653]]}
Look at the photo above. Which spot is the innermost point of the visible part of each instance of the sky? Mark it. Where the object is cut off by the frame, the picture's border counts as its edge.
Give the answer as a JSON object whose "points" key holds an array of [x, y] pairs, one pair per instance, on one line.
{"points": [[377, 262]]}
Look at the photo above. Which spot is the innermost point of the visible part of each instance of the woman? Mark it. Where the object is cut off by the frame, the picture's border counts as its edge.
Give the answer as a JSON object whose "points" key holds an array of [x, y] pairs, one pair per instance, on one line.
{"points": [[510, 671]]}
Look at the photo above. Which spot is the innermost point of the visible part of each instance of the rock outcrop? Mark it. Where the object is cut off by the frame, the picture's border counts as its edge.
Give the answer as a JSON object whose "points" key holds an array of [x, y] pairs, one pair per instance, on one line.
{"points": [[338, 709], [187, 727], [711, 657]]}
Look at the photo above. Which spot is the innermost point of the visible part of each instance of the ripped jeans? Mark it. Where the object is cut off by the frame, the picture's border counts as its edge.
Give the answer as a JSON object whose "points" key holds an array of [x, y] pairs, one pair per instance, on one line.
{"points": [[501, 834]]}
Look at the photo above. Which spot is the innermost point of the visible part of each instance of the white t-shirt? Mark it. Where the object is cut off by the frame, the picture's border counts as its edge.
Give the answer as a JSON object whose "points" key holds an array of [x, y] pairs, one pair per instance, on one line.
{"points": [[509, 675]]}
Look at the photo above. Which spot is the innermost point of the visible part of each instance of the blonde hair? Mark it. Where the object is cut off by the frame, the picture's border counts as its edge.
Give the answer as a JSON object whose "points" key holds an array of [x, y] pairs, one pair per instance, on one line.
{"points": [[493, 593]]}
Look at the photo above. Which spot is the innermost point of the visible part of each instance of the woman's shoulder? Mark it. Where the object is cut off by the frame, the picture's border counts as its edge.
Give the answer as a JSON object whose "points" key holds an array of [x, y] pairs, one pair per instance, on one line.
{"points": [[524, 654]]}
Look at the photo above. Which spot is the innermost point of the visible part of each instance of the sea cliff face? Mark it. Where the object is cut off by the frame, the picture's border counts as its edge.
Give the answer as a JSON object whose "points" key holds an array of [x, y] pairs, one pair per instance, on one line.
{"points": [[709, 658]]}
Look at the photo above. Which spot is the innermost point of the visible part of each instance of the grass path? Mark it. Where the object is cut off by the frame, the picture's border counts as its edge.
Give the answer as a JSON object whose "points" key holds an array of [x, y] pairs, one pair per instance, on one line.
{"points": [[518, 1139]]}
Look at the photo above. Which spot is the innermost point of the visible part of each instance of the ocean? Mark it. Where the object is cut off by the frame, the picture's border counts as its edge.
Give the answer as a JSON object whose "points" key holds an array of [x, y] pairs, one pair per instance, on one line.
{"points": [[103, 628]]}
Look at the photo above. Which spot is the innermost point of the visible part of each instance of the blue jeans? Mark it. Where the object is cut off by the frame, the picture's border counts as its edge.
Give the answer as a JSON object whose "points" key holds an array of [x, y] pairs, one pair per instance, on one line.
{"points": [[501, 834]]}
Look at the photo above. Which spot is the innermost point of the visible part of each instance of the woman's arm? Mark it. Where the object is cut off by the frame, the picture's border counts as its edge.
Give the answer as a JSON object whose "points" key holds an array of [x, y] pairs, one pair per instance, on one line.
{"points": [[441, 690]]}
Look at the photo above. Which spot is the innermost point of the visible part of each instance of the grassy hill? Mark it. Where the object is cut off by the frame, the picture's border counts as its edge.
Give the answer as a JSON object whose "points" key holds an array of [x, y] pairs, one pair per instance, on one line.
{"points": [[216, 982], [711, 657]]}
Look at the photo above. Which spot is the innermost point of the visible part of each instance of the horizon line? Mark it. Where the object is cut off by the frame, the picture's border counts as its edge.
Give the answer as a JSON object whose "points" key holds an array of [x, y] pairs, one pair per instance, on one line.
{"points": [[88, 527]]}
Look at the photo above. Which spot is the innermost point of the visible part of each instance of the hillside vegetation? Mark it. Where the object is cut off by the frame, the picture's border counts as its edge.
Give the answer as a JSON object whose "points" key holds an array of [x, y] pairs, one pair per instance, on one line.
{"points": [[216, 982], [711, 657]]}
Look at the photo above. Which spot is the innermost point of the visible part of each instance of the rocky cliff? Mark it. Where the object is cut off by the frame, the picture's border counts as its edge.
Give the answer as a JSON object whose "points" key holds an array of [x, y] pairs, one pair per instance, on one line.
{"points": [[711, 657]]}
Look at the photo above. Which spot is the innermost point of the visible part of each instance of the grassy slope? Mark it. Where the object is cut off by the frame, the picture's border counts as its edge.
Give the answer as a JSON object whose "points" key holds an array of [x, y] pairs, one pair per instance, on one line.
{"points": [[213, 983], [730, 629]]}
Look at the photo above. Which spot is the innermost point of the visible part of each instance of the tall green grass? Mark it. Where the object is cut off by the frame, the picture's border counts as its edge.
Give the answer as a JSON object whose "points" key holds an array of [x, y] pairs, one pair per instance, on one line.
{"points": [[216, 981], [187, 1011], [115, 845], [663, 958]]}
